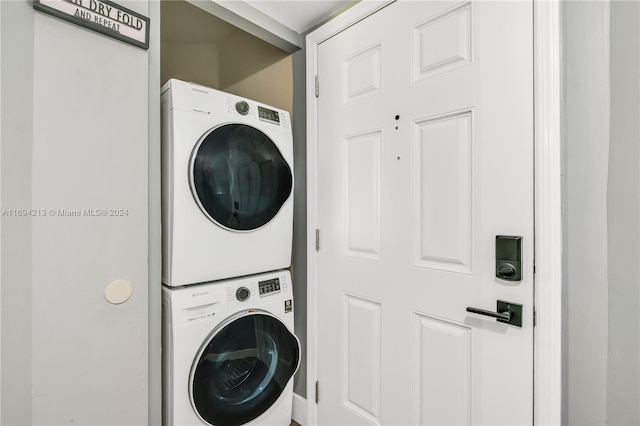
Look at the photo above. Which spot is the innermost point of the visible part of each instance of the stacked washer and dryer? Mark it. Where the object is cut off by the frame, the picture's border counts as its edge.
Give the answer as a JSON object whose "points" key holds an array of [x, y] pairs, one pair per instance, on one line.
{"points": [[229, 349]]}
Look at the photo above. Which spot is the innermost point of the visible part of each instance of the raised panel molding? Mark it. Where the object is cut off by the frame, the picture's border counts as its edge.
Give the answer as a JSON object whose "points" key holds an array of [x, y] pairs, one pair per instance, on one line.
{"points": [[363, 195], [362, 74], [443, 170], [441, 356], [442, 43], [362, 357]]}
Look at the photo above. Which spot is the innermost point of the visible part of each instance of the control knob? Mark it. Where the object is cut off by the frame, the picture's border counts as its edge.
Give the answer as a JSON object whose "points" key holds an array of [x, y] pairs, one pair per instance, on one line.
{"points": [[242, 294], [242, 107]]}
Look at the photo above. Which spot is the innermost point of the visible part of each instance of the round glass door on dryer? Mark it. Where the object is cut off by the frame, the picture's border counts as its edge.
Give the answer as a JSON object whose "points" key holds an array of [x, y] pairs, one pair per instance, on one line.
{"points": [[239, 178], [244, 367]]}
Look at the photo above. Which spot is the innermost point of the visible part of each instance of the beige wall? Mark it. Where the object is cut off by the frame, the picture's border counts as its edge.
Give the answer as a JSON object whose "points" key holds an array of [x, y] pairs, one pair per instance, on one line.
{"points": [[271, 85], [204, 49], [197, 62]]}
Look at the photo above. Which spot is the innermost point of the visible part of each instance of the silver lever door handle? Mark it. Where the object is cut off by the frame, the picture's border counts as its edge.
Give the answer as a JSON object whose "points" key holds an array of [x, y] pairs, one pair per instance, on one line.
{"points": [[507, 312], [506, 315]]}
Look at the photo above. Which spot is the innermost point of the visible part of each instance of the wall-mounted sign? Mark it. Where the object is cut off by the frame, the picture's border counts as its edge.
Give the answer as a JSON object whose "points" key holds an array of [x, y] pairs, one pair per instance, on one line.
{"points": [[102, 16]]}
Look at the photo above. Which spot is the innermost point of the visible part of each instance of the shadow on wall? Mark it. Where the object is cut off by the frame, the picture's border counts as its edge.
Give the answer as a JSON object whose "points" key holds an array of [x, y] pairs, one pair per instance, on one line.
{"points": [[199, 47]]}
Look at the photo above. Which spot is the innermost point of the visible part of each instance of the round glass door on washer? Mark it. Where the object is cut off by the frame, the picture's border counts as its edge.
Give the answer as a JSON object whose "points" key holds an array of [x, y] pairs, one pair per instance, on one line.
{"points": [[239, 178], [243, 369]]}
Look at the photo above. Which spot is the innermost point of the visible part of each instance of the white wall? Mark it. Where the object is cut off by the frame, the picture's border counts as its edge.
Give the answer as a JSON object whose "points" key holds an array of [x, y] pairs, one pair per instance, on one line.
{"points": [[623, 390], [586, 65], [602, 212], [17, 133], [74, 136]]}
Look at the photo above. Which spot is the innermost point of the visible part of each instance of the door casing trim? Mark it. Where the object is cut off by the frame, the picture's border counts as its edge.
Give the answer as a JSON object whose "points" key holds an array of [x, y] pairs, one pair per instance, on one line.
{"points": [[547, 37]]}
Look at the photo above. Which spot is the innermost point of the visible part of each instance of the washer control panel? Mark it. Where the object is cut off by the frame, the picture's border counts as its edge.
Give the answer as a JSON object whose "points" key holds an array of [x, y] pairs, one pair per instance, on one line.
{"points": [[269, 287]]}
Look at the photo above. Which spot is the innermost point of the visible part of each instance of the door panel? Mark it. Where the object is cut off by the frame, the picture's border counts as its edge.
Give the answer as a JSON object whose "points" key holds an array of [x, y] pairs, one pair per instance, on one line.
{"points": [[442, 180], [425, 154], [441, 386], [362, 356], [362, 195]]}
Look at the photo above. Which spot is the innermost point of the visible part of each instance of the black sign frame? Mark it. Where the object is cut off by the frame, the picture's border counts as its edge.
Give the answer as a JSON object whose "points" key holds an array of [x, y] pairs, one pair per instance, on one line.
{"points": [[37, 5]]}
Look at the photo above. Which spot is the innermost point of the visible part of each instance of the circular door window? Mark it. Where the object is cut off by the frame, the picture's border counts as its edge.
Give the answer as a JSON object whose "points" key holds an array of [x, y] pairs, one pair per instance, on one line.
{"points": [[243, 369], [239, 178]]}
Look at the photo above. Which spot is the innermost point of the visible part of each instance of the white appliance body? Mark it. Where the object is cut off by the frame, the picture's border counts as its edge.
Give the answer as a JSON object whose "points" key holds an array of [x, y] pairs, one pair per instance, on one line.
{"points": [[227, 360], [227, 185]]}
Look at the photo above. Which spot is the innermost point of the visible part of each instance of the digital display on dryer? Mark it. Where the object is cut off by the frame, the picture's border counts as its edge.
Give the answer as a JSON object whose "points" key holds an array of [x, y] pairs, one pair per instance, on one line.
{"points": [[269, 286], [268, 115]]}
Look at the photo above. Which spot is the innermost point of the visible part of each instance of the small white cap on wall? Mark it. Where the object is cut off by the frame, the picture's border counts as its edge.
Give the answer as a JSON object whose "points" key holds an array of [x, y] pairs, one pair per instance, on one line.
{"points": [[118, 291]]}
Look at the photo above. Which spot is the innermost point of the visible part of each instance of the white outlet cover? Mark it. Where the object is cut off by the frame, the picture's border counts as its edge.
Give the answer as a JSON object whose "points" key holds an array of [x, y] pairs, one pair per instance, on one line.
{"points": [[118, 291]]}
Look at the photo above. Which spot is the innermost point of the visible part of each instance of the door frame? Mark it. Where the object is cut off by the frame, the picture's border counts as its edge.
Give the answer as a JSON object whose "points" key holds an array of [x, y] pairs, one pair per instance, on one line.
{"points": [[547, 200]]}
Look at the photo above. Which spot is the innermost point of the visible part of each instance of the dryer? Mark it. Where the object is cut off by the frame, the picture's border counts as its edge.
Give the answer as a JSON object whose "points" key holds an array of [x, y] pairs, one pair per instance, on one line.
{"points": [[227, 185], [229, 352]]}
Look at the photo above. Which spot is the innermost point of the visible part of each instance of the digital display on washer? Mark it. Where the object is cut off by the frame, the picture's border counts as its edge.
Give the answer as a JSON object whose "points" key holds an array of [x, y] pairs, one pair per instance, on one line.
{"points": [[268, 115], [269, 286]]}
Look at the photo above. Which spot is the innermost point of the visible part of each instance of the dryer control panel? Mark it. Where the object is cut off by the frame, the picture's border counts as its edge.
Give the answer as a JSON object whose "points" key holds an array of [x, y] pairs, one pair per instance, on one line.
{"points": [[269, 287]]}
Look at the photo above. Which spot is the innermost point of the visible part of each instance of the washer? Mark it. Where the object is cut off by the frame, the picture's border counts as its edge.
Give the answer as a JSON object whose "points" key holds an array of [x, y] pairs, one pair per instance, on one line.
{"points": [[227, 185], [229, 352]]}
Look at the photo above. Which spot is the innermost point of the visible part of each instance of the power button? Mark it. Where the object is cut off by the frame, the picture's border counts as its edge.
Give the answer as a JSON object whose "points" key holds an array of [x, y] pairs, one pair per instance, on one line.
{"points": [[242, 107], [242, 294]]}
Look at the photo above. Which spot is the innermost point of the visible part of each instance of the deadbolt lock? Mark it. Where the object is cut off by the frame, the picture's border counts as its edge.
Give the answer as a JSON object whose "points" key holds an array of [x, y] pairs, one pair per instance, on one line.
{"points": [[508, 258]]}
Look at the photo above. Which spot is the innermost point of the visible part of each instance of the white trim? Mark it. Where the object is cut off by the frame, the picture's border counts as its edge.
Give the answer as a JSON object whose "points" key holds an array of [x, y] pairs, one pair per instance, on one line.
{"points": [[548, 212], [333, 27], [341, 22], [299, 414], [253, 21], [547, 98], [312, 225]]}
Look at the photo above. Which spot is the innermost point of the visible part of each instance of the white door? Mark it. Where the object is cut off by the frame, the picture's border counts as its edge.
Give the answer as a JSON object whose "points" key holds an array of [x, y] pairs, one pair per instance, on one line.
{"points": [[425, 155]]}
